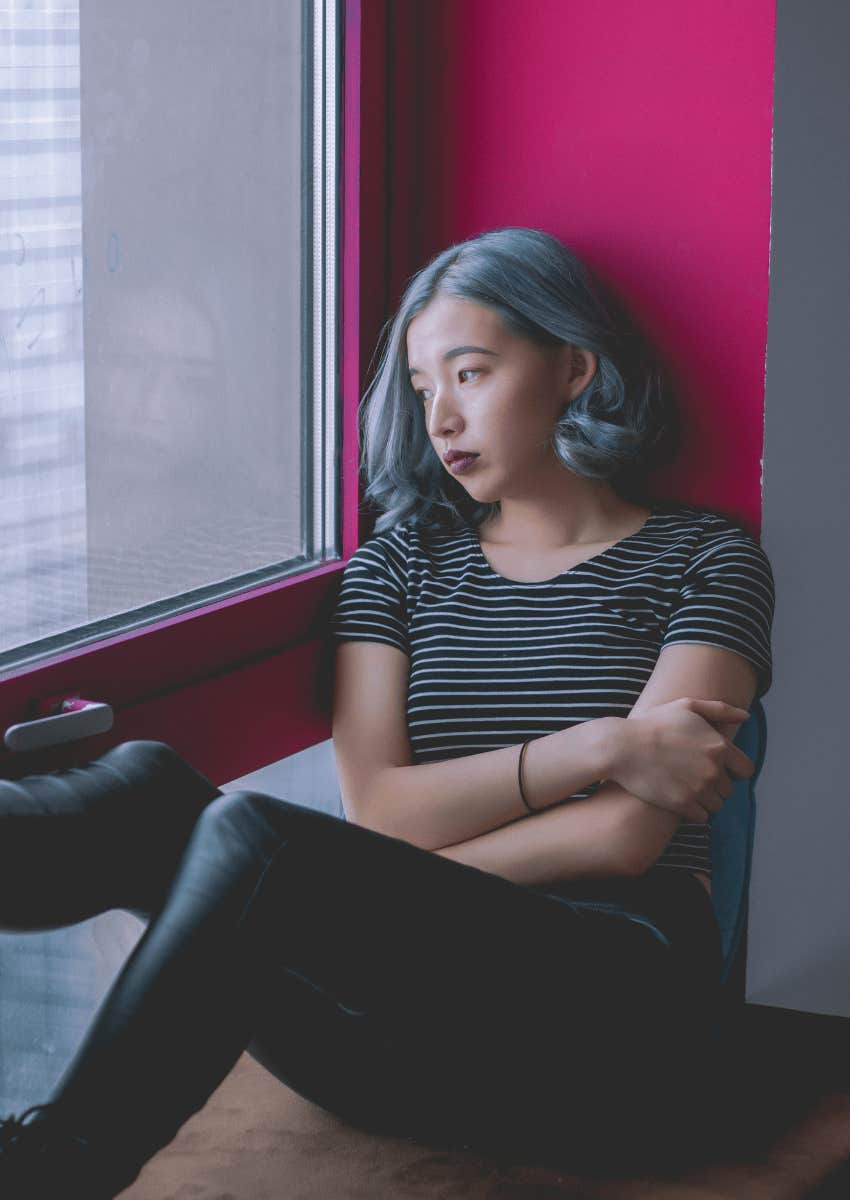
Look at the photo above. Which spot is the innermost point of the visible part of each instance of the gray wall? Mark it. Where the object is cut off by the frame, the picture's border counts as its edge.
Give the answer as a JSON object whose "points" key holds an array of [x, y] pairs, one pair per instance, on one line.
{"points": [[307, 778], [799, 933]]}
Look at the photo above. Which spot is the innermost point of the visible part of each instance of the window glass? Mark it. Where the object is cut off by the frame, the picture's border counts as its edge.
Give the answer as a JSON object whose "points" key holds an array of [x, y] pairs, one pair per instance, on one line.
{"points": [[165, 397]]}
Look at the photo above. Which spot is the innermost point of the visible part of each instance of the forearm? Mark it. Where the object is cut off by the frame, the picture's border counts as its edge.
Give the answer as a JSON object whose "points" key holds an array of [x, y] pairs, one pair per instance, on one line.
{"points": [[441, 804], [609, 833]]}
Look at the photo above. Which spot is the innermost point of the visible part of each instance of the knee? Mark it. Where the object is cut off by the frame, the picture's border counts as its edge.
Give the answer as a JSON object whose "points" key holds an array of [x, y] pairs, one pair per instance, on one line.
{"points": [[246, 807], [154, 774], [231, 808], [259, 817], [141, 755]]}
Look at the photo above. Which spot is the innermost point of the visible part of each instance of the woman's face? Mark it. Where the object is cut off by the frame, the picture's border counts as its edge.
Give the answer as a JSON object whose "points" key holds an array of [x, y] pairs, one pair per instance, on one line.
{"points": [[488, 391]]}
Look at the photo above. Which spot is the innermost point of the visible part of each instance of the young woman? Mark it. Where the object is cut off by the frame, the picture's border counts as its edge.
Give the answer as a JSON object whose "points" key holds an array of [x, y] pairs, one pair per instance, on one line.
{"points": [[510, 943]]}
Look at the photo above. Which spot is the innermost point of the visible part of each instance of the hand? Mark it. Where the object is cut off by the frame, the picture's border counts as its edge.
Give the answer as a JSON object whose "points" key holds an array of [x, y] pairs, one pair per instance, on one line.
{"points": [[673, 757]]}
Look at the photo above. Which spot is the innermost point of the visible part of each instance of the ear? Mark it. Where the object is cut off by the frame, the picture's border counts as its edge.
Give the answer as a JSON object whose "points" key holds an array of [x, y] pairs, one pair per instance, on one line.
{"points": [[581, 368]]}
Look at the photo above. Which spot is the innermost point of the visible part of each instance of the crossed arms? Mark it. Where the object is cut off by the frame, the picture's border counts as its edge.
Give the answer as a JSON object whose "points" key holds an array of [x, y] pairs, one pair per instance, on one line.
{"points": [[611, 828], [469, 809]]}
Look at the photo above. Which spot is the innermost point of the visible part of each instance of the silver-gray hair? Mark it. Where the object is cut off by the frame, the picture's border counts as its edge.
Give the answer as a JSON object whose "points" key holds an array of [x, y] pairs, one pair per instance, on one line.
{"points": [[619, 428]]}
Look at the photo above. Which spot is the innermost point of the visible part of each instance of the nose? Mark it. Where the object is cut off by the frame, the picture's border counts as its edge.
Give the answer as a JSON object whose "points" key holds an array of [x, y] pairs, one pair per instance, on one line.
{"points": [[444, 419]]}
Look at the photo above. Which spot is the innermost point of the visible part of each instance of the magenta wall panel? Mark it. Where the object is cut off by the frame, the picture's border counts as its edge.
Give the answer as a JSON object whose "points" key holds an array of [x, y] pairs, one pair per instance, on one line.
{"points": [[640, 134]]}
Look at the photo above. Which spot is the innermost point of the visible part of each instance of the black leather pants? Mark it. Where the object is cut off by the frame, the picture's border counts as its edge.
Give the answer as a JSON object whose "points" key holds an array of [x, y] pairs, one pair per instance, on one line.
{"points": [[405, 992]]}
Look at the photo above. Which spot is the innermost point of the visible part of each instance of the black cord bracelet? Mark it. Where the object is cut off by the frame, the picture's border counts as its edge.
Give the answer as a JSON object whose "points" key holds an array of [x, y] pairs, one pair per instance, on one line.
{"points": [[519, 779]]}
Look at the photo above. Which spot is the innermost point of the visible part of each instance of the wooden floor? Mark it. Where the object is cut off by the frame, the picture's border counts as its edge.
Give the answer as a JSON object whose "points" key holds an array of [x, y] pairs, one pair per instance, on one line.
{"points": [[257, 1140]]}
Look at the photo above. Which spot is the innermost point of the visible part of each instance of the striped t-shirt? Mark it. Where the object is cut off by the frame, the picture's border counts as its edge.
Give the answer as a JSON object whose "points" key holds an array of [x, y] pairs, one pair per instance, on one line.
{"points": [[494, 662]]}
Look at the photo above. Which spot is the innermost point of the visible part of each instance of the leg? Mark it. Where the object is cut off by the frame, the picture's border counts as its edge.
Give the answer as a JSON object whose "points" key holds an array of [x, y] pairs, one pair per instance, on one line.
{"points": [[81, 840], [472, 1011], [468, 1003]]}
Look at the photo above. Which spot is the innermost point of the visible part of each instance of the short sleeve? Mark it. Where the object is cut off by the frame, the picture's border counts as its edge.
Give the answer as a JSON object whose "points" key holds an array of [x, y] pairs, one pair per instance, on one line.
{"points": [[727, 599], [372, 601]]}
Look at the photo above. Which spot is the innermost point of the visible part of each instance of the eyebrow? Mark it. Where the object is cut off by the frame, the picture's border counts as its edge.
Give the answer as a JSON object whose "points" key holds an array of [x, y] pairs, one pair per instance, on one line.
{"points": [[454, 354]]}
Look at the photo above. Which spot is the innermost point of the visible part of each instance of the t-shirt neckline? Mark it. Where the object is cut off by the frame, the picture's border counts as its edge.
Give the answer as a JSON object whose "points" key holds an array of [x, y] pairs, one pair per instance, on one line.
{"points": [[586, 562]]}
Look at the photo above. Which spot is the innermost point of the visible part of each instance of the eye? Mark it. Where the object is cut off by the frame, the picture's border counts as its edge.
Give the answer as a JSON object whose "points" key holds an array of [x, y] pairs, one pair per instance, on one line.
{"points": [[420, 392]]}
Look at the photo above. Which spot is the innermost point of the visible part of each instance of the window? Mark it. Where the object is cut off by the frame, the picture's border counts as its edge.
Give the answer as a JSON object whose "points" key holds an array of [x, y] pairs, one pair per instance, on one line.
{"points": [[168, 315]]}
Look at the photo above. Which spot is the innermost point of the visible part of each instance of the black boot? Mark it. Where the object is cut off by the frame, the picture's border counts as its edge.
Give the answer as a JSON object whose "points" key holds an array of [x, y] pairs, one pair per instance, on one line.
{"points": [[81, 840], [42, 1157]]}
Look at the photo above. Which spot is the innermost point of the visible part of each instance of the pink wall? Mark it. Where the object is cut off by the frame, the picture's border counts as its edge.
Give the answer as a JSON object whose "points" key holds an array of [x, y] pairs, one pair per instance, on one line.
{"points": [[640, 134]]}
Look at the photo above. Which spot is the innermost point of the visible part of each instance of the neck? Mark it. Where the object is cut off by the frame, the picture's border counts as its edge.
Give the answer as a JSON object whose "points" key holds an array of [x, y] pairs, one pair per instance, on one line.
{"points": [[585, 515]]}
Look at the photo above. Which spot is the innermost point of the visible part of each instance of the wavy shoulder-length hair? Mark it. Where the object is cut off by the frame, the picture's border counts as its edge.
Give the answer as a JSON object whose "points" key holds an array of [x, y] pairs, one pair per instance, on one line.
{"points": [[619, 428]]}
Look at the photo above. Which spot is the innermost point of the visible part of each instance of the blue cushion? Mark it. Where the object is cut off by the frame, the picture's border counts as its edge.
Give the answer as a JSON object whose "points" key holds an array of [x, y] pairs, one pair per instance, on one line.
{"points": [[732, 833]]}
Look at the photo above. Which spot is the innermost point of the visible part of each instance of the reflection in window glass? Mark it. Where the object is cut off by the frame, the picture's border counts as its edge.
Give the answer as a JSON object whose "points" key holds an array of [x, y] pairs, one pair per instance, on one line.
{"points": [[156, 402], [42, 405]]}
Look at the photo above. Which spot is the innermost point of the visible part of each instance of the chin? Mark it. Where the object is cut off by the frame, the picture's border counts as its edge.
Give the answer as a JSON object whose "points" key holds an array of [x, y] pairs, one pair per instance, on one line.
{"points": [[481, 495]]}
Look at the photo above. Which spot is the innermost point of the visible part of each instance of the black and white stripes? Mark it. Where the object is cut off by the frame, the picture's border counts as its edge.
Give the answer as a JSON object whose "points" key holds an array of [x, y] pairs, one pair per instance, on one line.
{"points": [[494, 661]]}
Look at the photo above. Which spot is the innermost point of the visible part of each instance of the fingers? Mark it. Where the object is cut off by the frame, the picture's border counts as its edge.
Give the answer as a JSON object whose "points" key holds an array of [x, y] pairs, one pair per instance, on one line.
{"points": [[739, 764], [720, 710]]}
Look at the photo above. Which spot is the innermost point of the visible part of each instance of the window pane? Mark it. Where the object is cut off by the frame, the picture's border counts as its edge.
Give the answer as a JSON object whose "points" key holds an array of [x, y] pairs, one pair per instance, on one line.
{"points": [[166, 406]]}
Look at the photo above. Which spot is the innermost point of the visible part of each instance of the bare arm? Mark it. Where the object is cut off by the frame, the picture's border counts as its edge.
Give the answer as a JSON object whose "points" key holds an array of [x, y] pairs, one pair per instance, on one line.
{"points": [[443, 803], [585, 839], [438, 804]]}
